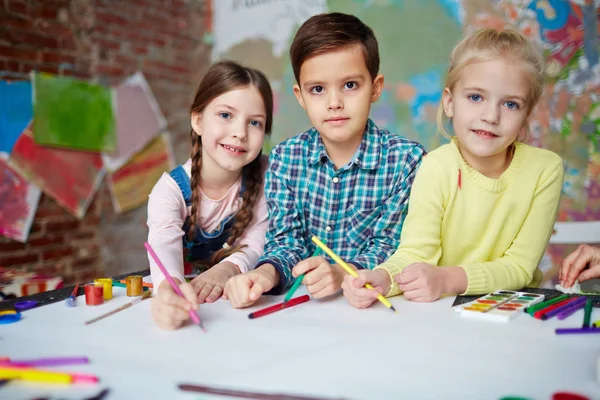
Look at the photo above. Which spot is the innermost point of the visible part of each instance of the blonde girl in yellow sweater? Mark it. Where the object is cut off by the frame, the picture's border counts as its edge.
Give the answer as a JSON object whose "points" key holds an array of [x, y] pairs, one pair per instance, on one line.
{"points": [[482, 207]]}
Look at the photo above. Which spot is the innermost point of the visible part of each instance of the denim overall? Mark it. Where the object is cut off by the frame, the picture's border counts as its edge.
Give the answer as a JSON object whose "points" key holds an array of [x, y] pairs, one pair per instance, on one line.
{"points": [[199, 250]]}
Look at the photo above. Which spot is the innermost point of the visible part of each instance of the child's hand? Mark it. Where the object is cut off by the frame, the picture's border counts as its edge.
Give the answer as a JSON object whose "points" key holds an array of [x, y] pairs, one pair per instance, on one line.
{"points": [[244, 289], [322, 279], [422, 282], [580, 265], [170, 310], [360, 297], [210, 284]]}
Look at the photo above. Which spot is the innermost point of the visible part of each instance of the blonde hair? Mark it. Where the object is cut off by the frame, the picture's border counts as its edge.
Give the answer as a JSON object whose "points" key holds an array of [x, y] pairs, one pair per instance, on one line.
{"points": [[486, 44]]}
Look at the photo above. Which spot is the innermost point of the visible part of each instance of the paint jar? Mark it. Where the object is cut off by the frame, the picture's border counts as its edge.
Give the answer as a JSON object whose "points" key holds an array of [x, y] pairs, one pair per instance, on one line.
{"points": [[94, 294], [107, 285], [134, 285]]}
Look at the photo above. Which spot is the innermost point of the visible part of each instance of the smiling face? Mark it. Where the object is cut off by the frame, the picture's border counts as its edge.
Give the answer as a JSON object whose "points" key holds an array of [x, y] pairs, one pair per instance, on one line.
{"points": [[232, 130], [336, 90], [488, 109]]}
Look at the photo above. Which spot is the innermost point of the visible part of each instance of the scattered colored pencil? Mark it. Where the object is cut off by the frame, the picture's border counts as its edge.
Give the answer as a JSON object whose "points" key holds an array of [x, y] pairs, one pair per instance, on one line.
{"points": [[540, 306], [587, 313], [297, 282], [571, 310], [73, 297], [192, 313], [145, 295], [543, 314], [241, 394], [43, 376], [278, 307], [45, 362], [349, 270], [571, 331]]}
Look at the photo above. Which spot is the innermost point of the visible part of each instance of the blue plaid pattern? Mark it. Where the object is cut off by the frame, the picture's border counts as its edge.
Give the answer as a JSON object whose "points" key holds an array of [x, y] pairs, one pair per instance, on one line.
{"points": [[358, 209]]}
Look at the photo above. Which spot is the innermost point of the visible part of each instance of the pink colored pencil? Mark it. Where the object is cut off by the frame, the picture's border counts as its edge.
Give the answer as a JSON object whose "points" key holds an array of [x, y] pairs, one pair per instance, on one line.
{"points": [[192, 313]]}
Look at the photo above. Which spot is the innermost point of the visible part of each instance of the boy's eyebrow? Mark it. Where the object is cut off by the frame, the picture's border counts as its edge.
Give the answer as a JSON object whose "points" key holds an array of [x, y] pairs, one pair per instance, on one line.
{"points": [[352, 77]]}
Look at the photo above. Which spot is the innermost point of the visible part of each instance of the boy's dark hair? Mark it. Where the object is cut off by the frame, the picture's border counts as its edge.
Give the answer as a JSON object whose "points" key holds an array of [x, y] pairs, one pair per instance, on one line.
{"points": [[332, 31]]}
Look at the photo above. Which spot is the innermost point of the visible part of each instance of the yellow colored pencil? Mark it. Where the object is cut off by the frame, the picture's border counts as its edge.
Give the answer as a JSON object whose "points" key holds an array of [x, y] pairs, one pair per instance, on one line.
{"points": [[350, 270], [43, 376]]}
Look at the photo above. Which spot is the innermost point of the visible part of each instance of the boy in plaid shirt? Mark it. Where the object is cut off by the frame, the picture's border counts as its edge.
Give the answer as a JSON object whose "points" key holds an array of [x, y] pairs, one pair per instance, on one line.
{"points": [[344, 180]]}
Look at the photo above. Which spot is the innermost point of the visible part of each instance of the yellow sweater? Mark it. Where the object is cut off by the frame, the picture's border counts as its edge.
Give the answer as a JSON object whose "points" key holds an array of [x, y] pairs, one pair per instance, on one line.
{"points": [[495, 229]]}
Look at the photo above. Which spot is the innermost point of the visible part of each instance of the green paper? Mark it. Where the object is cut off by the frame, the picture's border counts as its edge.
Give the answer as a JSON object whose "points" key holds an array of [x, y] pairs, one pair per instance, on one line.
{"points": [[72, 113]]}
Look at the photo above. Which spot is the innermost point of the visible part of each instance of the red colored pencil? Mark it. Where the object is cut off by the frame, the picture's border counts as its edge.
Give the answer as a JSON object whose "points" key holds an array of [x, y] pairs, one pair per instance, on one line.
{"points": [[277, 307]]}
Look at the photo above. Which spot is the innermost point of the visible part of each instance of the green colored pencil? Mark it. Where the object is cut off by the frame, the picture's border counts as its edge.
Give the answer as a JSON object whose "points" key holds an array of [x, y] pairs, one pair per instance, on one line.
{"points": [[540, 306], [587, 313], [297, 282]]}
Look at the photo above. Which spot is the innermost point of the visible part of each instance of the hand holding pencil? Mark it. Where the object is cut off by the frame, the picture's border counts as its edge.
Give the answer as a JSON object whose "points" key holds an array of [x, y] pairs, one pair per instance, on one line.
{"points": [[351, 271]]}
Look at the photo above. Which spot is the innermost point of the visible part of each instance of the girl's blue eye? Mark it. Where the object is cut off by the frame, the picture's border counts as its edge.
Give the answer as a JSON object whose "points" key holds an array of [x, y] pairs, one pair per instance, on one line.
{"points": [[350, 85], [256, 123], [317, 89], [512, 105], [474, 97], [225, 115]]}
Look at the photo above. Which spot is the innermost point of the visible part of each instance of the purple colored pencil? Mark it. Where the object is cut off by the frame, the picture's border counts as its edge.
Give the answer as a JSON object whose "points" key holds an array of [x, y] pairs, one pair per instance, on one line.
{"points": [[556, 311], [47, 362], [574, 307], [574, 331]]}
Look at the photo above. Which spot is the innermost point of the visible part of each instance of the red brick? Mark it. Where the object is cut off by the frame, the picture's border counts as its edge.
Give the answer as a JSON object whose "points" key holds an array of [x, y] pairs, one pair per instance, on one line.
{"points": [[19, 22], [83, 262], [126, 60], [59, 252], [47, 240], [51, 69], [11, 246], [139, 50], [18, 7], [37, 227], [25, 258], [57, 57], [21, 54], [83, 235], [49, 208], [85, 276], [52, 227], [10, 66], [90, 220], [46, 11], [108, 44], [40, 41], [103, 17], [110, 70]]}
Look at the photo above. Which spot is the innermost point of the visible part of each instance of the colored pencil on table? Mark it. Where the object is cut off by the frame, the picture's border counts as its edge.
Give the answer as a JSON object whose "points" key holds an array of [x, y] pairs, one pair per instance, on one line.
{"points": [[45, 362], [73, 297], [571, 309], [297, 282], [133, 302], [548, 312], [278, 307], [242, 394], [575, 331], [169, 279], [43, 376], [540, 306], [587, 313], [349, 270]]}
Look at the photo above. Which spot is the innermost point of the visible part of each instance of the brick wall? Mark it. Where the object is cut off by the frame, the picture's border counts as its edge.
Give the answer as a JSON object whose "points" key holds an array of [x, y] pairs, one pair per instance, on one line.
{"points": [[101, 41]]}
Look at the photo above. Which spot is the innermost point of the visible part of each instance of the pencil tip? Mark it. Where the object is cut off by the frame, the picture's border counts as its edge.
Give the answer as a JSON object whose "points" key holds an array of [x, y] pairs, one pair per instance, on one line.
{"points": [[393, 309]]}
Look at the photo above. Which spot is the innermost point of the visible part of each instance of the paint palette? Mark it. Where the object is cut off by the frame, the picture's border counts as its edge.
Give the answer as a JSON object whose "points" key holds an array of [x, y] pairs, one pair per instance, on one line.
{"points": [[502, 305]]}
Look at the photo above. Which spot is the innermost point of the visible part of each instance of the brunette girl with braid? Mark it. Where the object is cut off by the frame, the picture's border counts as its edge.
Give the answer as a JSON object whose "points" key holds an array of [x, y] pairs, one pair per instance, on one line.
{"points": [[212, 209]]}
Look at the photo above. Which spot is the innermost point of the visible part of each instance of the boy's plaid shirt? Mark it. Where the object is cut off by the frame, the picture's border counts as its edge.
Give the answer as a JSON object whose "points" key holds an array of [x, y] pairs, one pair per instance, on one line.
{"points": [[358, 210]]}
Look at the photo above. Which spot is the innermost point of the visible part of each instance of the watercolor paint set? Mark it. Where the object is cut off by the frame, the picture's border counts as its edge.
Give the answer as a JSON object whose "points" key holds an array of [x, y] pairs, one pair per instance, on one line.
{"points": [[502, 305]]}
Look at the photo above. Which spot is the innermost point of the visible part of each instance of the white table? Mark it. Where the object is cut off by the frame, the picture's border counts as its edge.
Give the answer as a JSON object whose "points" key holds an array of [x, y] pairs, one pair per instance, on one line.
{"points": [[320, 348]]}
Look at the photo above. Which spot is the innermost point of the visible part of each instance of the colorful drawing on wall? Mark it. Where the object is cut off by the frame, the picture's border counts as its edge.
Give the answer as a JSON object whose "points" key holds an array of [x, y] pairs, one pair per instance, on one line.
{"points": [[139, 119], [16, 111], [72, 113], [69, 177], [131, 185], [18, 203]]}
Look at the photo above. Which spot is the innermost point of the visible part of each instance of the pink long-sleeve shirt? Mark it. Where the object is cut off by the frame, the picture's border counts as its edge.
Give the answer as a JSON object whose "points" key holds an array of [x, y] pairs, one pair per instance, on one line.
{"points": [[167, 213]]}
